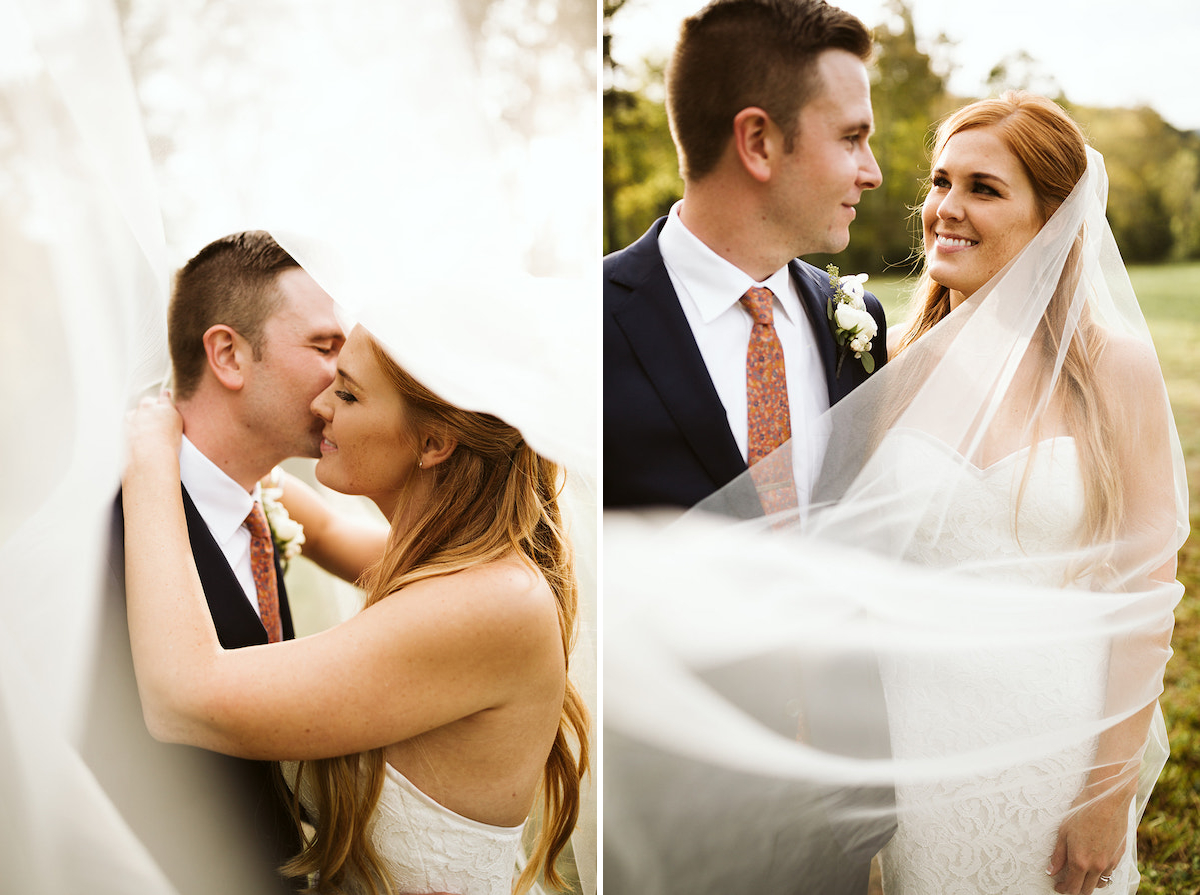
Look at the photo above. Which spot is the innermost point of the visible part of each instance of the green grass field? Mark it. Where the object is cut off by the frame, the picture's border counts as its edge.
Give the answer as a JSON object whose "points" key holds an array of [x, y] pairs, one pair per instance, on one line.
{"points": [[1169, 836]]}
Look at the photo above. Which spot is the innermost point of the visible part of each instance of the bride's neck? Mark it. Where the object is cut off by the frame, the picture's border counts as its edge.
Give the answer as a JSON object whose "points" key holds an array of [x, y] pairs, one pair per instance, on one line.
{"points": [[410, 502]]}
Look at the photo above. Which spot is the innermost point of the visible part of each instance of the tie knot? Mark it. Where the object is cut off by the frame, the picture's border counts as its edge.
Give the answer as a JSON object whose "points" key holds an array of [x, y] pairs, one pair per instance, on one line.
{"points": [[757, 301], [256, 522]]}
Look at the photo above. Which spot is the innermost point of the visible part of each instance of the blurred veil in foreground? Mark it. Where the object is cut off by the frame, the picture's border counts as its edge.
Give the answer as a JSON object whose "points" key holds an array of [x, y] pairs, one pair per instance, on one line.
{"points": [[431, 165], [961, 641]]}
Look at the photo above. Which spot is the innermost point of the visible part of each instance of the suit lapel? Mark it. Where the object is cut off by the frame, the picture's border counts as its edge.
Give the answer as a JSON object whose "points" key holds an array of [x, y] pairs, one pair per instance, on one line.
{"points": [[236, 621], [658, 333], [285, 610], [815, 293]]}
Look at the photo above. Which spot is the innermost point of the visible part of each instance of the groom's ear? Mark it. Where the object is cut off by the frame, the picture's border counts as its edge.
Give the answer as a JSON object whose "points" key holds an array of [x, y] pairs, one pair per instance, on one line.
{"points": [[225, 350], [755, 139], [436, 447]]}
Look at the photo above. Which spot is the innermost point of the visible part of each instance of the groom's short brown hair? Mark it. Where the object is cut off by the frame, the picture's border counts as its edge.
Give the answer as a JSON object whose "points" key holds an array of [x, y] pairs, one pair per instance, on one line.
{"points": [[734, 54], [231, 281]]}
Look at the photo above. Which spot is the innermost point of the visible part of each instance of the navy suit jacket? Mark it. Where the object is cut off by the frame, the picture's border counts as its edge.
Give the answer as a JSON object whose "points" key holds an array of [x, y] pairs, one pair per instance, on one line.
{"points": [[213, 823], [667, 440]]}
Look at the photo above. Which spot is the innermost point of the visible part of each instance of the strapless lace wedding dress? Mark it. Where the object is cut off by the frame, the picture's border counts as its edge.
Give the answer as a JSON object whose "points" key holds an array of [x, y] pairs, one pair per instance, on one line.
{"points": [[992, 834], [428, 848]]}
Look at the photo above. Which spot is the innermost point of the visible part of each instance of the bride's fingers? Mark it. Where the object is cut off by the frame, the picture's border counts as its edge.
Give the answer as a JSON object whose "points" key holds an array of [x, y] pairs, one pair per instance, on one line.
{"points": [[1058, 860], [1072, 882], [1091, 883]]}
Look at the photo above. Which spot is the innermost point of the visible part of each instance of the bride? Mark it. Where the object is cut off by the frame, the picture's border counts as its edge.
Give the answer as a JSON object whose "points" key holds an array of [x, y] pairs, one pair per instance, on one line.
{"points": [[994, 533], [1073, 465], [427, 726]]}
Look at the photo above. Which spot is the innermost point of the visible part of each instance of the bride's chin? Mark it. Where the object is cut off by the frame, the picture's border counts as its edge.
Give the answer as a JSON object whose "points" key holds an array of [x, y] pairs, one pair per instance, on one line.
{"points": [[323, 474]]}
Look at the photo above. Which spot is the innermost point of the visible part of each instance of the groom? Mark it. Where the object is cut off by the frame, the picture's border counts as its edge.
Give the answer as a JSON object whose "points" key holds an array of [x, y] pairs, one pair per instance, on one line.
{"points": [[770, 110], [717, 349], [253, 340]]}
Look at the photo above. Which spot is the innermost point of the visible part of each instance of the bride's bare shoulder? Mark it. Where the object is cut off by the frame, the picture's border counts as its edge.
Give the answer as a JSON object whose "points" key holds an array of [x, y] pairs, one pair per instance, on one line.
{"points": [[504, 591], [896, 336], [1126, 363]]}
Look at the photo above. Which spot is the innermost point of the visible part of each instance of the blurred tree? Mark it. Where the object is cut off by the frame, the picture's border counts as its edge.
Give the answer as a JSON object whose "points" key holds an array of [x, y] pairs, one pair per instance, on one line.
{"points": [[1154, 182], [908, 94], [1020, 71], [1180, 182], [641, 170]]}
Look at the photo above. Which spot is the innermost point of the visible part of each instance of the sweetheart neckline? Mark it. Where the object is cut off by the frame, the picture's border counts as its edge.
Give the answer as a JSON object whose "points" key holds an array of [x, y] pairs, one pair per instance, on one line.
{"points": [[984, 470]]}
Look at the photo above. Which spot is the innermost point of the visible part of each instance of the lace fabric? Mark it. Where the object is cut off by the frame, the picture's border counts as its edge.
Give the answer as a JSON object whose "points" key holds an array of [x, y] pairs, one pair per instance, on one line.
{"points": [[976, 531], [426, 847], [991, 833]]}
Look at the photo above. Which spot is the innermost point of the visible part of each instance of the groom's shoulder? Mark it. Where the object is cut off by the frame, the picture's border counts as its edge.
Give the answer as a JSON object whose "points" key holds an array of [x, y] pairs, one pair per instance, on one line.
{"points": [[626, 267]]}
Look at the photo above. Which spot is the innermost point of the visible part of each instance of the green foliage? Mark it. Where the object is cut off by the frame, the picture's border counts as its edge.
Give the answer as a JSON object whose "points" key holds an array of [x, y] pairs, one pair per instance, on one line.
{"points": [[641, 175], [1154, 182]]}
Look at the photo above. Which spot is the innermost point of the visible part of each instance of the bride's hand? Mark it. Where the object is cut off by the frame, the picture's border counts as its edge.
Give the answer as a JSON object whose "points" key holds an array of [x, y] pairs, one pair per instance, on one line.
{"points": [[1091, 841], [154, 431]]}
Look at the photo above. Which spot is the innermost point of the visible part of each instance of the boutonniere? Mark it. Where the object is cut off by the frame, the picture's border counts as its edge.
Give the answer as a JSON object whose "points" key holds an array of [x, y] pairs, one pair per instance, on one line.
{"points": [[853, 326], [286, 532]]}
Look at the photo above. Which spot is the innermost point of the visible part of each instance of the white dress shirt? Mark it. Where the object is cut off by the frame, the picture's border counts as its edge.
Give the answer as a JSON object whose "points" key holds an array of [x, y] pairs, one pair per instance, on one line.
{"points": [[223, 505], [709, 289]]}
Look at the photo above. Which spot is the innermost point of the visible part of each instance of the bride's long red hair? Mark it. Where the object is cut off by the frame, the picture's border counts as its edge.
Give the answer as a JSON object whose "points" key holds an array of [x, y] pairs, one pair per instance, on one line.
{"points": [[493, 497]]}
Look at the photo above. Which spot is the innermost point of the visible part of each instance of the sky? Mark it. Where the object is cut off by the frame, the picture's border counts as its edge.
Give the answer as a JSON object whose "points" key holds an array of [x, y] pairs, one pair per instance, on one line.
{"points": [[1100, 52]]}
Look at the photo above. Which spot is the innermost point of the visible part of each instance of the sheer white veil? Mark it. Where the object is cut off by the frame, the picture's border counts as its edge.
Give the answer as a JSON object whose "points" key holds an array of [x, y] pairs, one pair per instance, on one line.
{"points": [[744, 656], [371, 139]]}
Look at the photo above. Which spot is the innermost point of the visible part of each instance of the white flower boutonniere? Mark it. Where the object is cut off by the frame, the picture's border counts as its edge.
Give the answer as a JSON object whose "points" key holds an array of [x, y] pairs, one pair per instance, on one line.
{"points": [[286, 532], [853, 325]]}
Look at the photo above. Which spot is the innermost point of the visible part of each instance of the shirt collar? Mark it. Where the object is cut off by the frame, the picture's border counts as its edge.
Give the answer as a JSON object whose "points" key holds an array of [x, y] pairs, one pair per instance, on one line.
{"points": [[222, 502], [713, 283]]}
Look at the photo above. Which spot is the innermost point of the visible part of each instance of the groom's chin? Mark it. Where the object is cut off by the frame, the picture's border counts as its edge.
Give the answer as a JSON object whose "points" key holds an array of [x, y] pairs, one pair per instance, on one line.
{"points": [[312, 446]]}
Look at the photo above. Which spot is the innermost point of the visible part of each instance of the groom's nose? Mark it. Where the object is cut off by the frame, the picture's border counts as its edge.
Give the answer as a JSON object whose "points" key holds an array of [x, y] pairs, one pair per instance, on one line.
{"points": [[870, 176]]}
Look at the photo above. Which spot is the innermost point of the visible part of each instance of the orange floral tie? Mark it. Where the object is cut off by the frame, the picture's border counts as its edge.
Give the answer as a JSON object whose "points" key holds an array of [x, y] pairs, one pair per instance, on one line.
{"points": [[770, 421], [262, 565]]}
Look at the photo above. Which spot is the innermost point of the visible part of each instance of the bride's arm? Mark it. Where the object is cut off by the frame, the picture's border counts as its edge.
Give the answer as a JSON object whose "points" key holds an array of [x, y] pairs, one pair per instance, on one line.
{"points": [[339, 544], [1092, 839], [440, 650]]}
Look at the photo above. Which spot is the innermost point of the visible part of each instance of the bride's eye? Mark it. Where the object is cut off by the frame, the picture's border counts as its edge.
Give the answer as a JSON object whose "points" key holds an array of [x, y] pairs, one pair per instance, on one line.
{"points": [[345, 396]]}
